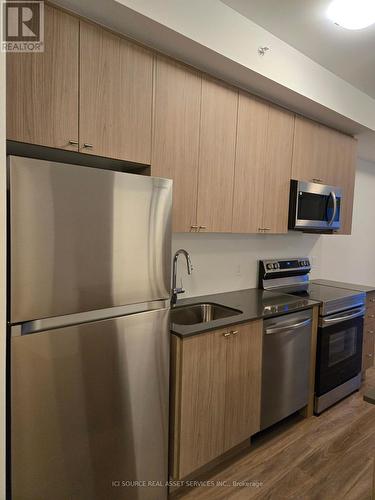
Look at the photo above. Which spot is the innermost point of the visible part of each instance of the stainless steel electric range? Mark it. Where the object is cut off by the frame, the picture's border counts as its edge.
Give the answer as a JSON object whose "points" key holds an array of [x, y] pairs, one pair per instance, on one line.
{"points": [[340, 331]]}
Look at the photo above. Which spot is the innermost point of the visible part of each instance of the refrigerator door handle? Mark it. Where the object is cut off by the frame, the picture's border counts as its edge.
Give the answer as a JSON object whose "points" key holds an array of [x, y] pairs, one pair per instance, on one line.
{"points": [[35, 326]]}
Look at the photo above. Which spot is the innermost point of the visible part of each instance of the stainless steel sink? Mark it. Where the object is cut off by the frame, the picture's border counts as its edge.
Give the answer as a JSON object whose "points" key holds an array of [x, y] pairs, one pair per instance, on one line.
{"points": [[201, 313]]}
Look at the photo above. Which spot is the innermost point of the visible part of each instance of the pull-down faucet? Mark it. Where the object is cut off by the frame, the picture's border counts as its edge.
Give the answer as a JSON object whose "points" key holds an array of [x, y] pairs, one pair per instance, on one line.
{"points": [[175, 290]]}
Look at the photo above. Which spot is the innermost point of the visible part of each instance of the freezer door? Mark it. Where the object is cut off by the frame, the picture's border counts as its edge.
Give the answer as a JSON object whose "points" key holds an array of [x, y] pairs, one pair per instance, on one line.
{"points": [[82, 238], [89, 410]]}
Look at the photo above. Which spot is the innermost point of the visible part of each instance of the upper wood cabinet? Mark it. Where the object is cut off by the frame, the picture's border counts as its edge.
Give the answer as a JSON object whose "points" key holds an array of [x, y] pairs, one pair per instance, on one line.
{"points": [[278, 169], [115, 96], [309, 152], [216, 156], [323, 155], [249, 180], [42, 88], [176, 137], [231, 156], [262, 168], [216, 383], [345, 178]]}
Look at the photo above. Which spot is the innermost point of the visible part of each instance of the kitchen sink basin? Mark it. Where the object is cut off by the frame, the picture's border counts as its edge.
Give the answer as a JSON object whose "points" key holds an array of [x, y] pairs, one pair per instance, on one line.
{"points": [[201, 313]]}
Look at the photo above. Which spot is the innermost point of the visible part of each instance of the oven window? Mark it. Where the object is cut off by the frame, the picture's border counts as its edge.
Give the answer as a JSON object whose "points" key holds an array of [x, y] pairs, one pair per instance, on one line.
{"points": [[342, 345], [317, 207]]}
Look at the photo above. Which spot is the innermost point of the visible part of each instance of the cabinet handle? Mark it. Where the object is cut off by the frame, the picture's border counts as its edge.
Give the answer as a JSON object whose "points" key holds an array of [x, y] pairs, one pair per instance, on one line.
{"points": [[369, 355], [73, 143], [226, 334], [371, 316], [202, 227], [86, 145], [262, 229], [319, 181], [234, 332], [372, 300], [194, 228]]}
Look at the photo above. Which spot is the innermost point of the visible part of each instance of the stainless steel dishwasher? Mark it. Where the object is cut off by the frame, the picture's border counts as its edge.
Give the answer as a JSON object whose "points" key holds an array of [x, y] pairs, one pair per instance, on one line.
{"points": [[285, 366]]}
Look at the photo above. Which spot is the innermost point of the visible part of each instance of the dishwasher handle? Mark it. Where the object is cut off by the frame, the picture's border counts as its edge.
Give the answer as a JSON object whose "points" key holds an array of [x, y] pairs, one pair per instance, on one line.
{"points": [[286, 328]]}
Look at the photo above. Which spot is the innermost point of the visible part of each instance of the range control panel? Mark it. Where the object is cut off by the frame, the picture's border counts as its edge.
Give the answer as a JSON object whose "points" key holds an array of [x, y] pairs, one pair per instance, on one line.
{"points": [[271, 269], [287, 264]]}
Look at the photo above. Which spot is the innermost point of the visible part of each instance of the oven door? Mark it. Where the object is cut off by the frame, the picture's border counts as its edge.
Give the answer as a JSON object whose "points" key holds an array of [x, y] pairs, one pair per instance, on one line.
{"points": [[339, 349], [316, 206]]}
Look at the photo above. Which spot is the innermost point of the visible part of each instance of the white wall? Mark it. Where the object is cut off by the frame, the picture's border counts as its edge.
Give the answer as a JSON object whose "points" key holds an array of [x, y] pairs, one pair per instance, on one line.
{"points": [[352, 258], [224, 262], [2, 275]]}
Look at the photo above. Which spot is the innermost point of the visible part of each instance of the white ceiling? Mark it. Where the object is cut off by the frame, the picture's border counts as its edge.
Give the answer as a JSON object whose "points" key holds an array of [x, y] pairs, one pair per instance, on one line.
{"points": [[304, 25]]}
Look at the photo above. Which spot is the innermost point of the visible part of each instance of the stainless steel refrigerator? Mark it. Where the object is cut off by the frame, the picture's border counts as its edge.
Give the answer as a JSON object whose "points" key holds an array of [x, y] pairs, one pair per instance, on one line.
{"points": [[89, 283]]}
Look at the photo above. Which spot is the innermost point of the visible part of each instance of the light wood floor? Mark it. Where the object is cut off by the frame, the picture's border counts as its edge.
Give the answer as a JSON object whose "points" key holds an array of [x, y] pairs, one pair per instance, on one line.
{"points": [[330, 457]]}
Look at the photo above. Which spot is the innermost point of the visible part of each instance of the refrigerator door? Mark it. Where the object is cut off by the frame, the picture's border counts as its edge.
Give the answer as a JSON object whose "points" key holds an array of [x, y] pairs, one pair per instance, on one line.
{"points": [[89, 410], [83, 238]]}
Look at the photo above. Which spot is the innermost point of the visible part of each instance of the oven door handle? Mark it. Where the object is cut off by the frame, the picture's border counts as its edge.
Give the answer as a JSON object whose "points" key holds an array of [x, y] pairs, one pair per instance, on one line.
{"points": [[334, 198], [286, 328], [337, 319]]}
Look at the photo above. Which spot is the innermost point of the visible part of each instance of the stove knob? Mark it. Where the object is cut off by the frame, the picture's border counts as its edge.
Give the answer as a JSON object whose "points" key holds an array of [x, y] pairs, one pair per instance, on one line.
{"points": [[269, 266]]}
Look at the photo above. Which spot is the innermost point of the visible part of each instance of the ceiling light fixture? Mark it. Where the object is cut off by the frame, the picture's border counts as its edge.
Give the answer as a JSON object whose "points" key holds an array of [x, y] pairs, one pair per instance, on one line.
{"points": [[352, 14]]}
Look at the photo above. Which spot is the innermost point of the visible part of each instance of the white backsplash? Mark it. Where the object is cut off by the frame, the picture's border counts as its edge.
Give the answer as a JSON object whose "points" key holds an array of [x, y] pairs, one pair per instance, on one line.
{"points": [[225, 262]]}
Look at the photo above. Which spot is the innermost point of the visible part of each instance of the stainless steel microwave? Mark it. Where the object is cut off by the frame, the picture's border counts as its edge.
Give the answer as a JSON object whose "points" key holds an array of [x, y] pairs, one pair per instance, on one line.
{"points": [[314, 207]]}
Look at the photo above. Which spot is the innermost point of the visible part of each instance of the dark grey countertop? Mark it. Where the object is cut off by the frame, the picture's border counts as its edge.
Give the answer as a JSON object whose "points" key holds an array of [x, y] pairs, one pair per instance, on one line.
{"points": [[253, 302], [349, 286]]}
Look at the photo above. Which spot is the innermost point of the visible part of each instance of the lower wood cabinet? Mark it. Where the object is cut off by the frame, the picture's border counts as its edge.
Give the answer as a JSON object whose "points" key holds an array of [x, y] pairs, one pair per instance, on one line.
{"points": [[215, 404], [369, 333]]}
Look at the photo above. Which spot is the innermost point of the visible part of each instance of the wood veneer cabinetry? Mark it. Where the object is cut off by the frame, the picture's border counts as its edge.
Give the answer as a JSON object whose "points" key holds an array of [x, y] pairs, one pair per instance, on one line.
{"points": [[323, 155], [42, 88], [176, 137], [229, 154], [369, 333], [263, 167], [216, 379], [216, 156], [115, 96]]}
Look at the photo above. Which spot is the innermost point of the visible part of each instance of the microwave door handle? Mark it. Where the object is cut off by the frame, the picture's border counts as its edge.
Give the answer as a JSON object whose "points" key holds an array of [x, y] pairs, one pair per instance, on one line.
{"points": [[333, 195]]}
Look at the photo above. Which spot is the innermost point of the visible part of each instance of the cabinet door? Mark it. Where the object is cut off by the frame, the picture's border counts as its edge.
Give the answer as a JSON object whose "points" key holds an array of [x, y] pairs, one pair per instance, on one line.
{"points": [[345, 178], [42, 88], [243, 383], [202, 396], [249, 176], [368, 345], [216, 156], [278, 166], [176, 137], [310, 151], [115, 96]]}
